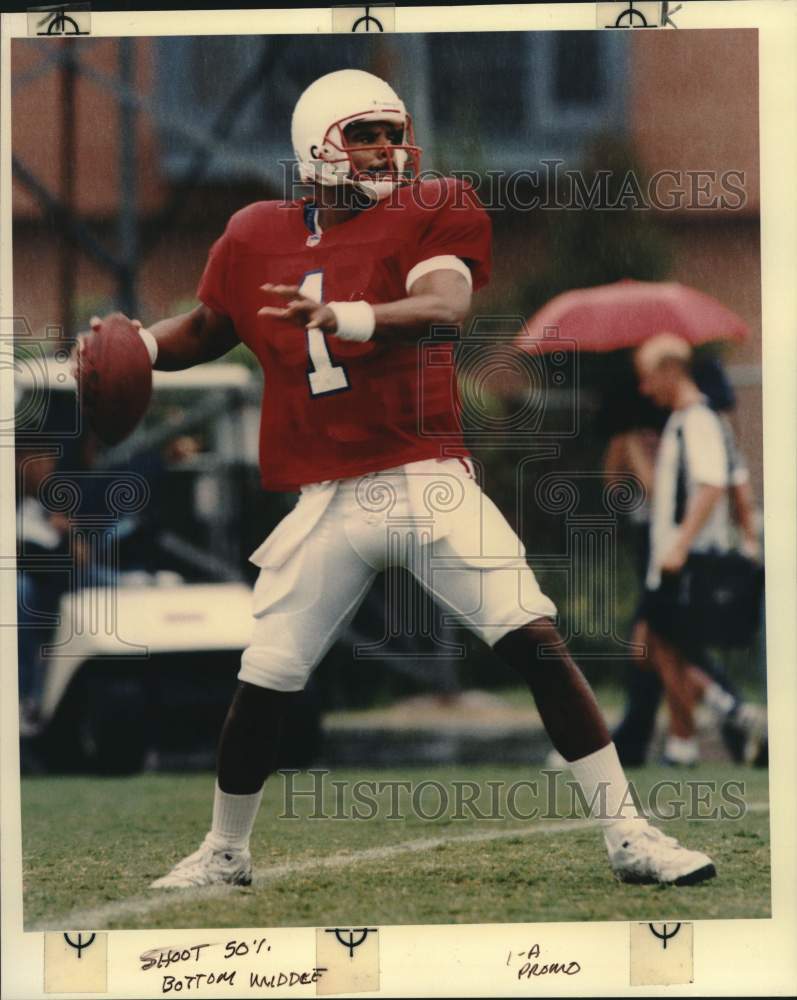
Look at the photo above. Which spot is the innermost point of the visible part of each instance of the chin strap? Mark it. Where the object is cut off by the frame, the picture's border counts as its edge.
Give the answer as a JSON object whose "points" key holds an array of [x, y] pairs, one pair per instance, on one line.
{"points": [[376, 190]]}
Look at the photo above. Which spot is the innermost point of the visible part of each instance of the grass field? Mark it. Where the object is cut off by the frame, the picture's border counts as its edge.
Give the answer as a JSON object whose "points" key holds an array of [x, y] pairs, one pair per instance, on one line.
{"points": [[91, 846]]}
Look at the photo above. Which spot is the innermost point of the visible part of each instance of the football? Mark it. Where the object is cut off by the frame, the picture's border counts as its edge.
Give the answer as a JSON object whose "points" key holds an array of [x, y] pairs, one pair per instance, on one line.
{"points": [[114, 377]]}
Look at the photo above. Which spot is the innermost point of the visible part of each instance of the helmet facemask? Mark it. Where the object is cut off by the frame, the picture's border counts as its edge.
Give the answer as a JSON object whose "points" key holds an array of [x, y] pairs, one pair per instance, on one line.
{"points": [[334, 164]]}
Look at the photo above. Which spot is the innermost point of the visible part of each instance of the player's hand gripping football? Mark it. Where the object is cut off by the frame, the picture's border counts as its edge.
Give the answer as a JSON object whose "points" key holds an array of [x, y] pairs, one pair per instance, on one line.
{"points": [[300, 310], [113, 370], [95, 324]]}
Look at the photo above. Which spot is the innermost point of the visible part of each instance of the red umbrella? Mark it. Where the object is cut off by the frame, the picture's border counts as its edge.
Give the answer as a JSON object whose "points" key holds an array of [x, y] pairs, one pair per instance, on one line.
{"points": [[623, 314]]}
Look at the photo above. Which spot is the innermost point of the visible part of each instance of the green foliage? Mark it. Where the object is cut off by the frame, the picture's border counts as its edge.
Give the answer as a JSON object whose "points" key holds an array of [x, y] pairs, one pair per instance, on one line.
{"points": [[86, 306], [582, 247], [596, 245]]}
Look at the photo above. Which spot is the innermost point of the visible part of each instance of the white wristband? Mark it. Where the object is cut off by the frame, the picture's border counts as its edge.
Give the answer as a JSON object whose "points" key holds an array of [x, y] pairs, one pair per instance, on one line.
{"points": [[356, 320], [150, 343]]}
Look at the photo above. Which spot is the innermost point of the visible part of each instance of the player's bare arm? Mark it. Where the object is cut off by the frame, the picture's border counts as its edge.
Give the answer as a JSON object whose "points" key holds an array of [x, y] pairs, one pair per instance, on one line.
{"points": [[185, 340], [744, 511], [697, 513], [441, 297], [192, 338]]}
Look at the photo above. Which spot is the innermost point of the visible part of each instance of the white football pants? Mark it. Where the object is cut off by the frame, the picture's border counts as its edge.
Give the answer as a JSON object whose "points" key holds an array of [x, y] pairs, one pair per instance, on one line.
{"points": [[430, 517]]}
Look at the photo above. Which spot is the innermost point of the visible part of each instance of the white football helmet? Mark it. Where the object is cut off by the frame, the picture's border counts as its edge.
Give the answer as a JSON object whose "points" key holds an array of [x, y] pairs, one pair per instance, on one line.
{"points": [[320, 117]]}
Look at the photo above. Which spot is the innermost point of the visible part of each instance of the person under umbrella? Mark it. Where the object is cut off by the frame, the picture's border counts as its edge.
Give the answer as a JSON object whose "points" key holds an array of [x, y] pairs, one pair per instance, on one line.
{"points": [[634, 430], [690, 513], [624, 315]]}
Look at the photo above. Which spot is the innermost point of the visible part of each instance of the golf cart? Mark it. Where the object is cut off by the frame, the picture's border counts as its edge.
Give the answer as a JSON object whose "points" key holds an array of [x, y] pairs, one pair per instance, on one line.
{"points": [[139, 660]]}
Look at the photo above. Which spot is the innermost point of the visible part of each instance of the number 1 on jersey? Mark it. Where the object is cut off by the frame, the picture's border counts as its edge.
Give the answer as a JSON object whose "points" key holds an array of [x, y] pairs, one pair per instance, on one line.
{"points": [[322, 375]]}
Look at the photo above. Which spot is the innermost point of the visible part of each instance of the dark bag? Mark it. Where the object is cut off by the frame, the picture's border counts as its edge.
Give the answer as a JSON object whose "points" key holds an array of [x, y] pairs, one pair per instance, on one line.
{"points": [[719, 598]]}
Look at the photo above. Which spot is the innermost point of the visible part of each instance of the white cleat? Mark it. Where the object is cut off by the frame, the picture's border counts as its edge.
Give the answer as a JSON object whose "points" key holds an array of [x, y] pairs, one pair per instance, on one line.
{"points": [[208, 866], [647, 855], [681, 753], [745, 732]]}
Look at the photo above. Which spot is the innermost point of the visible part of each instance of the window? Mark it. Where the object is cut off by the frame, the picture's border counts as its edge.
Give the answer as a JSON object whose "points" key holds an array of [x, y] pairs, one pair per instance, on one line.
{"points": [[479, 99], [234, 95], [531, 94], [476, 82], [580, 78], [577, 76]]}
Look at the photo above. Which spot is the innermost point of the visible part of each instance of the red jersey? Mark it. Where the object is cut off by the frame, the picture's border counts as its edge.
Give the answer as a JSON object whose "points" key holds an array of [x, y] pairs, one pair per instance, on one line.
{"points": [[334, 408]]}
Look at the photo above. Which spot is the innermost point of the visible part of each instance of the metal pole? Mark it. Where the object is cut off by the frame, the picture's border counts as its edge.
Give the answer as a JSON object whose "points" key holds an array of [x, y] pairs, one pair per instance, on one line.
{"points": [[251, 83], [128, 152], [68, 259]]}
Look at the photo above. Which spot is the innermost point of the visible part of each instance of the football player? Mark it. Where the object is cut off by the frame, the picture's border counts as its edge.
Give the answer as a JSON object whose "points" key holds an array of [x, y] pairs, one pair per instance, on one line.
{"points": [[335, 293]]}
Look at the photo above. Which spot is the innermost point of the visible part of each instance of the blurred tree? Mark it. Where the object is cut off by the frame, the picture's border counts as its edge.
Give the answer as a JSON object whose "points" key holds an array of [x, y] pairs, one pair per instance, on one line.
{"points": [[576, 245], [604, 242]]}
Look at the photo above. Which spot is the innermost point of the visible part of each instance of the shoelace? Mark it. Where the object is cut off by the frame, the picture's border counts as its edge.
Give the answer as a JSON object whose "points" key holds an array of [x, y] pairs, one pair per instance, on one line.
{"points": [[194, 859], [191, 868]]}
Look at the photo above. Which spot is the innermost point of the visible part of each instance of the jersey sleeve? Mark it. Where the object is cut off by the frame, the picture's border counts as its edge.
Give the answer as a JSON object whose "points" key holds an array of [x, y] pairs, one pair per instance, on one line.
{"points": [[706, 450], [213, 288], [459, 227]]}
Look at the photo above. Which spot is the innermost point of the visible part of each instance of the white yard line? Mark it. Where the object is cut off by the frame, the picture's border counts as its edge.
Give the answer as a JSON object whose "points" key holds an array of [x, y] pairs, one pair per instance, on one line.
{"points": [[98, 917]]}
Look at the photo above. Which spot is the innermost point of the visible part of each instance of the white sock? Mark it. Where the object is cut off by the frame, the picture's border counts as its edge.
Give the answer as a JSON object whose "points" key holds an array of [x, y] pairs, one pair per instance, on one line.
{"points": [[605, 785], [718, 700], [233, 819]]}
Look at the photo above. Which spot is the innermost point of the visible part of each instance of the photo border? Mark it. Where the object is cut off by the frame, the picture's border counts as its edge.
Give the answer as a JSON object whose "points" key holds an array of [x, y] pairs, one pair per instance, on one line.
{"points": [[762, 950]]}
